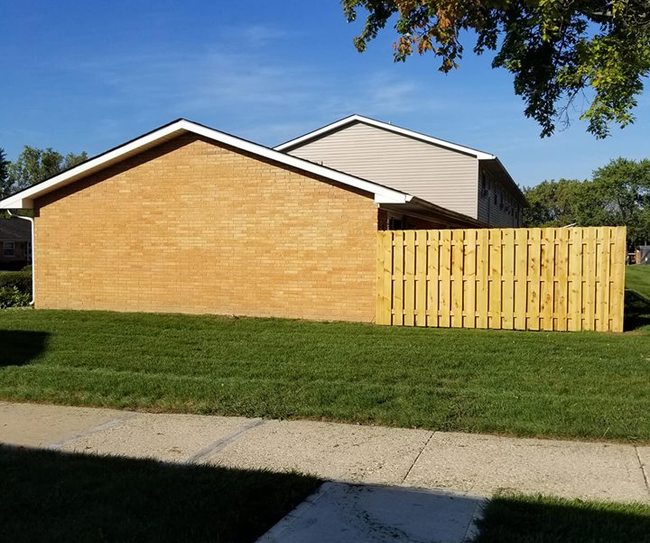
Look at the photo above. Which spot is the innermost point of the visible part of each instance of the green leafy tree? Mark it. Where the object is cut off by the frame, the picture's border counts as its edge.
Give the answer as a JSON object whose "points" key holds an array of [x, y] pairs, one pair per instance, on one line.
{"points": [[5, 184], [564, 202], [617, 195], [551, 203], [34, 165], [596, 51], [623, 186]]}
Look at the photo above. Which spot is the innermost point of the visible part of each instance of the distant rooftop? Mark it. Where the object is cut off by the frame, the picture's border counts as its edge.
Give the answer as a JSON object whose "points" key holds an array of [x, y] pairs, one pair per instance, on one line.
{"points": [[14, 230]]}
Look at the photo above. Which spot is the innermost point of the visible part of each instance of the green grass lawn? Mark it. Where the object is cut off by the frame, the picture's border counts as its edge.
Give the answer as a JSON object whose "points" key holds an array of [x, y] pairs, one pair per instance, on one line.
{"points": [[637, 278], [575, 385], [637, 297], [527, 519], [51, 496]]}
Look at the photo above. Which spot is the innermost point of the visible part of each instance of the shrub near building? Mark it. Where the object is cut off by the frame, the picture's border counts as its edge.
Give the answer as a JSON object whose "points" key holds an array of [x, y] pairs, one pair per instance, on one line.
{"points": [[15, 288]]}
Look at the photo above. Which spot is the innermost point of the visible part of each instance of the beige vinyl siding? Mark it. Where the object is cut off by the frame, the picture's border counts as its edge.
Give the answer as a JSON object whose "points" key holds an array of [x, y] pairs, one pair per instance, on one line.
{"points": [[506, 211], [441, 176]]}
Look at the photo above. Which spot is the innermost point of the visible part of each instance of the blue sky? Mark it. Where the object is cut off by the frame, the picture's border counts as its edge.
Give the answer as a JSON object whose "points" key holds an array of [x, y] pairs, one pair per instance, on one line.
{"points": [[91, 75]]}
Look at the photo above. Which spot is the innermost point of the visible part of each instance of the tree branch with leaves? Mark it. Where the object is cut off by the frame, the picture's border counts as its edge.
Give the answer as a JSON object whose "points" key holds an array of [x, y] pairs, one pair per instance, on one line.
{"points": [[558, 51]]}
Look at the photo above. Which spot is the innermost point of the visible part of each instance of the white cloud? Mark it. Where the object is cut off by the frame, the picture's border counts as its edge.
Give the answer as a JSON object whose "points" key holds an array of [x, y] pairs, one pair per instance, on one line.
{"points": [[210, 80], [260, 34], [238, 85]]}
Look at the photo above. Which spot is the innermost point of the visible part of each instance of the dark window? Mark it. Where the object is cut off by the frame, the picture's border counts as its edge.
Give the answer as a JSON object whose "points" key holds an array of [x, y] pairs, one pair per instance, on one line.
{"points": [[395, 224], [9, 248]]}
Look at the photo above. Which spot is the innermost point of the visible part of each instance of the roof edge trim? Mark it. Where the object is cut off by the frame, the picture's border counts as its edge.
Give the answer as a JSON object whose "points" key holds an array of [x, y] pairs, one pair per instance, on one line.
{"points": [[24, 199], [296, 142]]}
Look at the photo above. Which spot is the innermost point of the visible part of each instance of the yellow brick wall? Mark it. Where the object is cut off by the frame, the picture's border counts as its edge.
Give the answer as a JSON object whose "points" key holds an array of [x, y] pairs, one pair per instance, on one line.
{"points": [[194, 227]]}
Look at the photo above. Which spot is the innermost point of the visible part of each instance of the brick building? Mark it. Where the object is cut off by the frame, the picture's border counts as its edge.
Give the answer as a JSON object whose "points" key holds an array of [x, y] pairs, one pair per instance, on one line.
{"points": [[190, 219]]}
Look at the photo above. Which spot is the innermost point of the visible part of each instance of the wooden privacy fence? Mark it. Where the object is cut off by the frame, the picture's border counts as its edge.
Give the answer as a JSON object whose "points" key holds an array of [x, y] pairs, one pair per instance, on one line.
{"points": [[523, 278]]}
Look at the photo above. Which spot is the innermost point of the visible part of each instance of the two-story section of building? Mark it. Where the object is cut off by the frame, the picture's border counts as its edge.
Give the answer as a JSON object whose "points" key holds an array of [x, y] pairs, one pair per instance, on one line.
{"points": [[452, 176]]}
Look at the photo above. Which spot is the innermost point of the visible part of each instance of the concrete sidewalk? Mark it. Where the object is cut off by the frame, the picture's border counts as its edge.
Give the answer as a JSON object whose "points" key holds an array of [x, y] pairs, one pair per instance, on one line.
{"points": [[476, 465], [340, 512]]}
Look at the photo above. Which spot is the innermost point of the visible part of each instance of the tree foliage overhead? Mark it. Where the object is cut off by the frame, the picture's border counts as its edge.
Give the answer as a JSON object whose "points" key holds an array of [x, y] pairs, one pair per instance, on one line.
{"points": [[617, 195], [557, 50], [34, 165]]}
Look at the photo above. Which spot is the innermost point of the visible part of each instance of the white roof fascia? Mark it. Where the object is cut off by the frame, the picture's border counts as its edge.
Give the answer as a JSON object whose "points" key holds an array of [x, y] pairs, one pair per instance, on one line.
{"points": [[386, 126], [13, 203], [24, 199]]}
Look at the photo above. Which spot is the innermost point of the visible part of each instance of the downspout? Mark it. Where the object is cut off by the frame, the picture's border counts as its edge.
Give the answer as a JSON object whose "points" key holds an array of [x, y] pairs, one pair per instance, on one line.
{"points": [[31, 220]]}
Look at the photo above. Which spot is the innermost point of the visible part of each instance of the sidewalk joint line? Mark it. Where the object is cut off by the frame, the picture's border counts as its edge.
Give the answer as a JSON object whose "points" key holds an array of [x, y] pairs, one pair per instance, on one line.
{"points": [[222, 443], [108, 425], [417, 457], [643, 473]]}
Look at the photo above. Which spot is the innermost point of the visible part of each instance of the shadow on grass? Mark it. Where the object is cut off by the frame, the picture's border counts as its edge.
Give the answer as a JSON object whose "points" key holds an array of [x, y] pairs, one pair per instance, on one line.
{"points": [[19, 347], [53, 496], [530, 519], [637, 311]]}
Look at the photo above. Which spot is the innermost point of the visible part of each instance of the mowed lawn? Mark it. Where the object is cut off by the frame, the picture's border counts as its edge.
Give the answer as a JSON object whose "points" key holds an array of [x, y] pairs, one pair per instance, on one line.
{"points": [[574, 385], [637, 278]]}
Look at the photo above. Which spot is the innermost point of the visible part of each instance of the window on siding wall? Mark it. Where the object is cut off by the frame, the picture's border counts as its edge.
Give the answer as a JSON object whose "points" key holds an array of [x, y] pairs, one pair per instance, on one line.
{"points": [[395, 224], [8, 248]]}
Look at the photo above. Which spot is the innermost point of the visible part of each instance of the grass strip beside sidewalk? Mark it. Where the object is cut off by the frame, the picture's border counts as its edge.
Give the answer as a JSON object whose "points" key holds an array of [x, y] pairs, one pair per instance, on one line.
{"points": [[516, 518], [568, 385]]}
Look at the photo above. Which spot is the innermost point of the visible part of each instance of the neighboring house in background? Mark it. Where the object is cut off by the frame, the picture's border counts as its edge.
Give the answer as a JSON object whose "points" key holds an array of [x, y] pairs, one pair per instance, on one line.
{"points": [[15, 243], [190, 219], [452, 176]]}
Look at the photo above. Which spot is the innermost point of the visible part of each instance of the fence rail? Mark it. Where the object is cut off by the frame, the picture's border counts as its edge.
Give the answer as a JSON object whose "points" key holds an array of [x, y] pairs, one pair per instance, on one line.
{"points": [[523, 279]]}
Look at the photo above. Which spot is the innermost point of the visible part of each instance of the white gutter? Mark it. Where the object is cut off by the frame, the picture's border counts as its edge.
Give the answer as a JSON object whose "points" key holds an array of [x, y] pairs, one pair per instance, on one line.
{"points": [[31, 220]]}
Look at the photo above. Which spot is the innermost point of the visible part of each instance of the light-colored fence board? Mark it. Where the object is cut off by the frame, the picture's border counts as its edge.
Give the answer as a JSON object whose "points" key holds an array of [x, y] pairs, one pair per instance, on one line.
{"points": [[522, 279]]}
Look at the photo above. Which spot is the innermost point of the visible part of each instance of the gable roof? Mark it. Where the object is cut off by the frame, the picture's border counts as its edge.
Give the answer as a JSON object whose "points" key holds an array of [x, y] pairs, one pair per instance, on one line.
{"points": [[288, 146], [352, 119], [25, 198]]}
